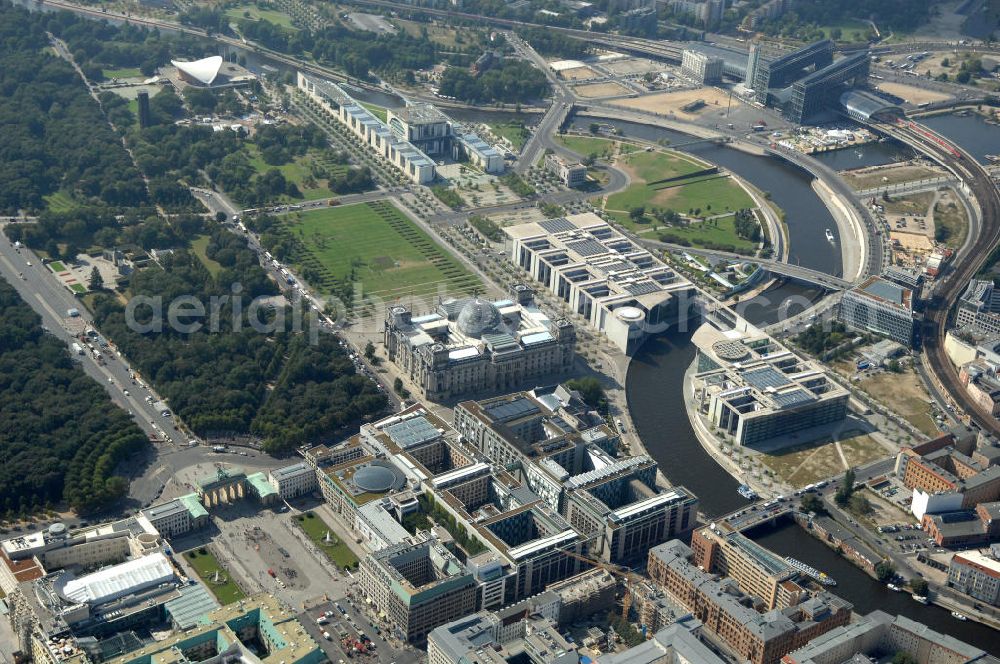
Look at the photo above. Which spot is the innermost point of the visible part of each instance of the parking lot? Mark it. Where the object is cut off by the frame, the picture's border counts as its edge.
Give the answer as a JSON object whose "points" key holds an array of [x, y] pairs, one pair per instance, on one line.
{"points": [[348, 630]]}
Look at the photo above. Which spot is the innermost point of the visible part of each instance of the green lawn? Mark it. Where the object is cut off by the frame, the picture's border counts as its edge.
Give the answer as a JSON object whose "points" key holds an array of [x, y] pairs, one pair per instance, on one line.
{"points": [[78, 288], [124, 72], [377, 245], [206, 565], [297, 171], [256, 13], [587, 145], [715, 232], [381, 112], [57, 266], [198, 246], [317, 530], [60, 201], [705, 194], [515, 132], [847, 29]]}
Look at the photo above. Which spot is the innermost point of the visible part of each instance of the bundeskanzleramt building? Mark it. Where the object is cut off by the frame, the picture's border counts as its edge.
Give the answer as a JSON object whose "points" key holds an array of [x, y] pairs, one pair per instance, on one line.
{"points": [[620, 288], [741, 621], [880, 306], [469, 346], [755, 390], [402, 154], [418, 586], [434, 133]]}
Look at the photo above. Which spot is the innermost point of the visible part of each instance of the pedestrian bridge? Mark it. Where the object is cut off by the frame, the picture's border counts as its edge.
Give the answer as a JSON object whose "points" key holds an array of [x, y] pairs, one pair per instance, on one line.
{"points": [[777, 268]]}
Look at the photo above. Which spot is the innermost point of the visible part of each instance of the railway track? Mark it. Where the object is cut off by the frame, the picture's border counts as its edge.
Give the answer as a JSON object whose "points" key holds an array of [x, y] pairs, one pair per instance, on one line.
{"points": [[946, 294]]}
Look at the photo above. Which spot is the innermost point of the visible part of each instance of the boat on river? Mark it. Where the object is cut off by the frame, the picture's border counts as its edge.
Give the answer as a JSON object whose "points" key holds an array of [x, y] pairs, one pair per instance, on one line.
{"points": [[829, 235], [747, 492]]}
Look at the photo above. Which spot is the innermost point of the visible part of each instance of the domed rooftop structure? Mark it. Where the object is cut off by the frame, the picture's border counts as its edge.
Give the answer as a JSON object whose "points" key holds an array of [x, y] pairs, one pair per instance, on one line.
{"points": [[477, 317]]}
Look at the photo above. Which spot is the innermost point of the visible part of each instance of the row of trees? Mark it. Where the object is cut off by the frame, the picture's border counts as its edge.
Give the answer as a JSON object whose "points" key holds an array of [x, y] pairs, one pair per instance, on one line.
{"points": [[60, 437]]}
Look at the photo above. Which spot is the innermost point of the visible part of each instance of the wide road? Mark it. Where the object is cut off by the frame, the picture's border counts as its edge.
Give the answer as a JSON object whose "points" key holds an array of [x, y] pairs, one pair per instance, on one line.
{"points": [[40, 289], [950, 287]]}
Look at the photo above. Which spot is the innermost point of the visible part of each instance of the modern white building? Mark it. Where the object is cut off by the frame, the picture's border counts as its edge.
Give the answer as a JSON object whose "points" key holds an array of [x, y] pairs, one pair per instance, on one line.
{"points": [[880, 306], [755, 390], [702, 67], [402, 154], [572, 174], [620, 288]]}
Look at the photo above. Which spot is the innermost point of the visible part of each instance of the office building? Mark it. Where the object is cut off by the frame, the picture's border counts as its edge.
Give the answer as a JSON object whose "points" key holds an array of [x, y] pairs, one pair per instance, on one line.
{"points": [[257, 629], [754, 390], [739, 621], [949, 475], [879, 635], [402, 154], [977, 574], [419, 586], [880, 306], [758, 572], [701, 67], [822, 89], [979, 307], [30, 557], [771, 75], [707, 12], [472, 345], [518, 633], [676, 644], [572, 174], [293, 481], [175, 517], [754, 61], [435, 134], [624, 291]]}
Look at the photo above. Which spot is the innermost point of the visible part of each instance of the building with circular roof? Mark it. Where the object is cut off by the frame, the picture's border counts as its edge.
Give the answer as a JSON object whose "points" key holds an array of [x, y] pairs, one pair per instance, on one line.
{"points": [[200, 72], [865, 106], [477, 317]]}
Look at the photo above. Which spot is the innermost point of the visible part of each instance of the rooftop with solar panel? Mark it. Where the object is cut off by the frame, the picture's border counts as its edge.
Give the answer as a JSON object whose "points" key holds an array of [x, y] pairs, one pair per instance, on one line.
{"points": [[622, 289], [755, 390]]}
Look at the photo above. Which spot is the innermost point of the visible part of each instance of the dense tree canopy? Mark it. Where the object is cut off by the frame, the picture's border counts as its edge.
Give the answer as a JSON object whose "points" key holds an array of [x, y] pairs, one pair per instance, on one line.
{"points": [[60, 436], [516, 81], [235, 378]]}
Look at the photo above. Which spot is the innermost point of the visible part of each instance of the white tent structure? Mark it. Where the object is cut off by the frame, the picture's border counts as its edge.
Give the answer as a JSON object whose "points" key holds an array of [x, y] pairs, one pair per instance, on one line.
{"points": [[204, 71], [116, 581]]}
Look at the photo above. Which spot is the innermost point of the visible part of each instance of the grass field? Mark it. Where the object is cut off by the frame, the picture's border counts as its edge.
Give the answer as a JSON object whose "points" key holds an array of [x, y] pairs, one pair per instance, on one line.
{"points": [[124, 72], [206, 565], [515, 132], [712, 193], [717, 231], [950, 220], [335, 550], [198, 246], [905, 394], [256, 13], [847, 29], [297, 171], [377, 245], [444, 36], [812, 462], [57, 266], [588, 145], [60, 201], [381, 112]]}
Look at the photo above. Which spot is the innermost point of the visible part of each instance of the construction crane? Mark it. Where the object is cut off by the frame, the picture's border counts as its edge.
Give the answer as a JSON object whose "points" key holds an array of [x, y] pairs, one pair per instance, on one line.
{"points": [[619, 571]]}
